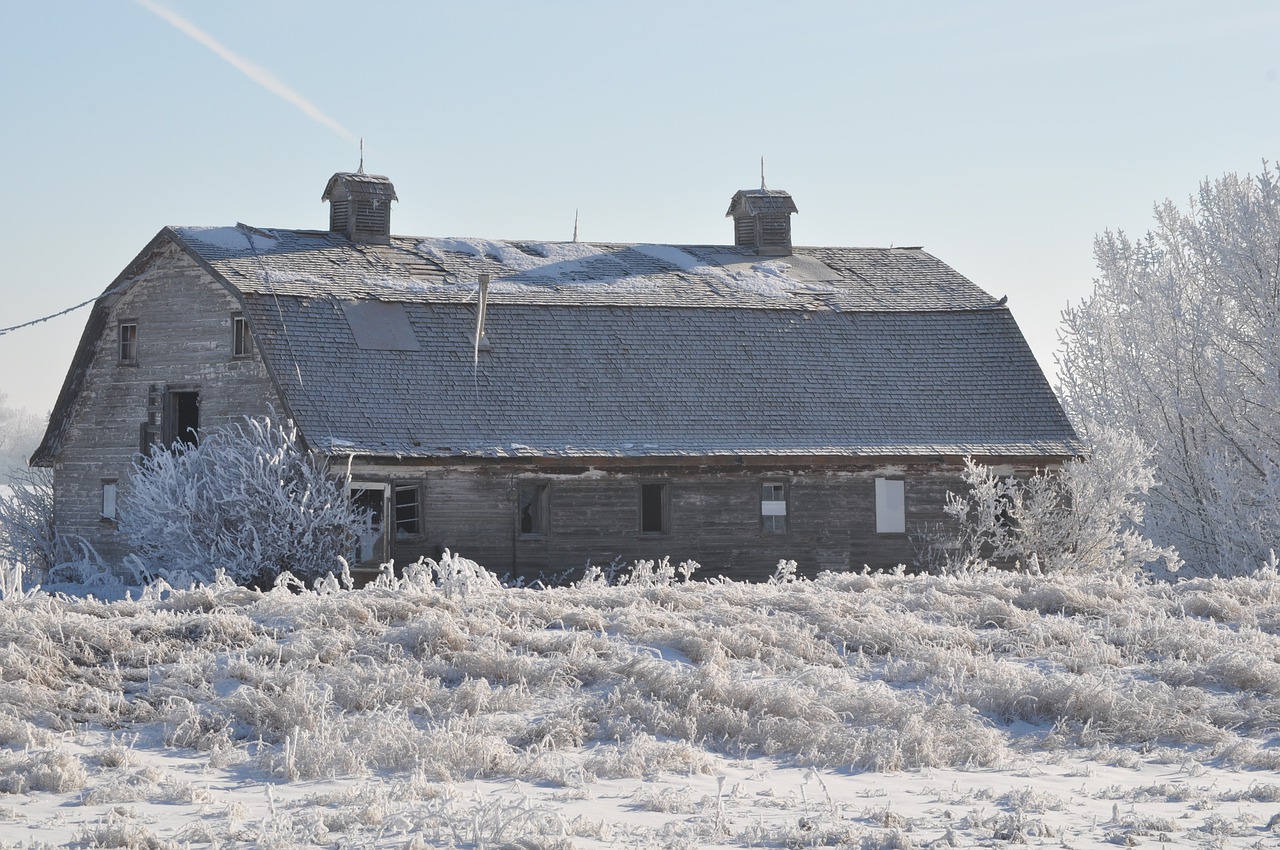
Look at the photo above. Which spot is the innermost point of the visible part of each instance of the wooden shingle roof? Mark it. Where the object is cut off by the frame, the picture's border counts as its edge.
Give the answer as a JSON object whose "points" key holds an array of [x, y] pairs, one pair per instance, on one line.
{"points": [[761, 202], [633, 350]]}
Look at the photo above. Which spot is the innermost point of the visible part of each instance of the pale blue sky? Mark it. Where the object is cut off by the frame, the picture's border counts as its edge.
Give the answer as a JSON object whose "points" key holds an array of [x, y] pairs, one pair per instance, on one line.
{"points": [[1001, 136]]}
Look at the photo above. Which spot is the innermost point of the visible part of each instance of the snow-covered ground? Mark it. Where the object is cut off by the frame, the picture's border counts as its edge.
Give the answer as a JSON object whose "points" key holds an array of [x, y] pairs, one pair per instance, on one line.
{"points": [[441, 710]]}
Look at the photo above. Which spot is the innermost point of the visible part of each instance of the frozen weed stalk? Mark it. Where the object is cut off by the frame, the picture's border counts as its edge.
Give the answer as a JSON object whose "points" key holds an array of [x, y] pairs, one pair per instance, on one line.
{"points": [[444, 675]]}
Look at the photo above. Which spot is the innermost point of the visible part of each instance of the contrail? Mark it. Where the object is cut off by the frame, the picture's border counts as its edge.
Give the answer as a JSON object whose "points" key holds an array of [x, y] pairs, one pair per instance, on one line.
{"points": [[258, 74]]}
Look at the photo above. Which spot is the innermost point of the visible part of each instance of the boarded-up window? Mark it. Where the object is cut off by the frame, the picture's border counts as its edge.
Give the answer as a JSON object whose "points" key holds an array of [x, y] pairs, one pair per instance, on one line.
{"points": [[534, 509], [655, 508], [128, 334], [773, 507], [408, 515], [109, 491], [891, 506]]}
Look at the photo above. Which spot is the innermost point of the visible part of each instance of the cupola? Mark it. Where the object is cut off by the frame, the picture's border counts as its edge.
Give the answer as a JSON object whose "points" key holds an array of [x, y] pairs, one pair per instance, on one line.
{"points": [[762, 220], [360, 206]]}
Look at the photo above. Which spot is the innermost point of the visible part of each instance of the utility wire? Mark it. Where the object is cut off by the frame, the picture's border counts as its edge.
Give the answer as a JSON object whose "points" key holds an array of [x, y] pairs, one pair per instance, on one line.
{"points": [[4, 331]]}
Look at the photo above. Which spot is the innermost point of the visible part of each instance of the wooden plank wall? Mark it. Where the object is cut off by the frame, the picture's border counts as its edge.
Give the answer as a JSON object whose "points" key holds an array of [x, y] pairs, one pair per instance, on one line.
{"points": [[184, 338], [714, 516]]}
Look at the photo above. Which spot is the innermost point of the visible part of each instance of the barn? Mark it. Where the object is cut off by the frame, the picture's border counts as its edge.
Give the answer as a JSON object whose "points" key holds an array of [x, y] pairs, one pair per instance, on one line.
{"points": [[538, 406]]}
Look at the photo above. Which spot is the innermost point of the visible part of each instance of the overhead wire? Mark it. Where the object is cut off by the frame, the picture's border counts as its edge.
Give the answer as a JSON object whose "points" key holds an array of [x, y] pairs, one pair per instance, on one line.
{"points": [[4, 331]]}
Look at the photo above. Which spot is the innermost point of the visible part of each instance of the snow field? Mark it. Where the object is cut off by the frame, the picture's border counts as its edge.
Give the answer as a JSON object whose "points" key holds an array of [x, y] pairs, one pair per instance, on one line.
{"points": [[852, 710]]}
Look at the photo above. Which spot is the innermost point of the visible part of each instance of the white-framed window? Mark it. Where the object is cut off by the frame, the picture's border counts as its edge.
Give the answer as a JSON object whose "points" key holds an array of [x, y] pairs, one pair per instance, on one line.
{"points": [[408, 511], [128, 343], [773, 507], [110, 490], [891, 506]]}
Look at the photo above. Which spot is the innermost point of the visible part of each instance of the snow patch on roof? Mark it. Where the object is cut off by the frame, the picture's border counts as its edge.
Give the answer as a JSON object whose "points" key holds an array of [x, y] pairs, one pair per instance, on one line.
{"points": [[272, 277], [232, 238], [566, 265], [413, 284], [536, 256]]}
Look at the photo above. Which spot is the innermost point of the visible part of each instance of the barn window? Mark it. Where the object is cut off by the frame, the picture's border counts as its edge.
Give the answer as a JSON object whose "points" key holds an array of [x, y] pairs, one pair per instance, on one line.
{"points": [[655, 508], [773, 507], [109, 491], [241, 342], [408, 515], [891, 506], [534, 510], [128, 343]]}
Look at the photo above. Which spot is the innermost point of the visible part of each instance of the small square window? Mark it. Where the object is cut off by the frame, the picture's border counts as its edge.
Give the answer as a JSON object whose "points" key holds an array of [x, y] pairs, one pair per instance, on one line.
{"points": [[408, 516], [891, 506], [534, 510], [241, 341], [129, 343], [773, 508], [655, 503]]}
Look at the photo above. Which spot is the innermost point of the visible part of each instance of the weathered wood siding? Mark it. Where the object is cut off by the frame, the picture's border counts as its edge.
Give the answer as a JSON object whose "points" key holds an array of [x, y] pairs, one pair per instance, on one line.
{"points": [[715, 515], [184, 340]]}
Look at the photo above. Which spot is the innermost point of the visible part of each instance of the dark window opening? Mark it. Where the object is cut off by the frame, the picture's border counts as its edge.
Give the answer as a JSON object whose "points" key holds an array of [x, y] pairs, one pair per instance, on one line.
{"points": [[653, 508], [182, 418], [241, 342], [129, 343], [408, 517], [1004, 508], [533, 510]]}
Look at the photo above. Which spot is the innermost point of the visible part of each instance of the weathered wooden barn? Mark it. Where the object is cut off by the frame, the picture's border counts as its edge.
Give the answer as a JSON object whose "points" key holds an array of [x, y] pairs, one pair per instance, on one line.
{"points": [[539, 405]]}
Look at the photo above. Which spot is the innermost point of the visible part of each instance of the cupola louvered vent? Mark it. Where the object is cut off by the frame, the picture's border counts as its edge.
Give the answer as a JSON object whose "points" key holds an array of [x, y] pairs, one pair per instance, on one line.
{"points": [[338, 212], [360, 206], [762, 220]]}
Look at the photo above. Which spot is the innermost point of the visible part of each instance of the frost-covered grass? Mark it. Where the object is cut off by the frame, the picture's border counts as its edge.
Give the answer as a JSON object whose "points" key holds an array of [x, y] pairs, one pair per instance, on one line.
{"points": [[429, 685]]}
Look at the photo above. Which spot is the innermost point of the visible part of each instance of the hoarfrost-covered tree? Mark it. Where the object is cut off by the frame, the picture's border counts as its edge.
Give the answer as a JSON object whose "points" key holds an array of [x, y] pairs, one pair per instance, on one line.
{"points": [[246, 499], [27, 536], [1086, 517], [1180, 344], [20, 433]]}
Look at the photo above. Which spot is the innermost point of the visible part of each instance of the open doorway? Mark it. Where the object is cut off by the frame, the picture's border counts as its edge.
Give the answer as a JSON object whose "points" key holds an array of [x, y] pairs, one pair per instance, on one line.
{"points": [[370, 498], [182, 418]]}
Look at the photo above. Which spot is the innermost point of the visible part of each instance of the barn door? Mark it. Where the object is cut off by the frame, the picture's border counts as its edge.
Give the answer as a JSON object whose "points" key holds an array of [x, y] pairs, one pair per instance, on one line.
{"points": [[371, 498]]}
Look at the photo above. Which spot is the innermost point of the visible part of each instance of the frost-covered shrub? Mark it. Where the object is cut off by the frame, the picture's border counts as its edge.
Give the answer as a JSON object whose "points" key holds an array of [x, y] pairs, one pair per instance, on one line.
{"points": [[247, 500], [1086, 516], [28, 542]]}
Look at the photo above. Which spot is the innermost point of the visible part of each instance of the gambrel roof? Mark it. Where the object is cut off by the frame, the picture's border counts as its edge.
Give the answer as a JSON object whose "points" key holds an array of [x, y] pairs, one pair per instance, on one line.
{"points": [[634, 350], [611, 350]]}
